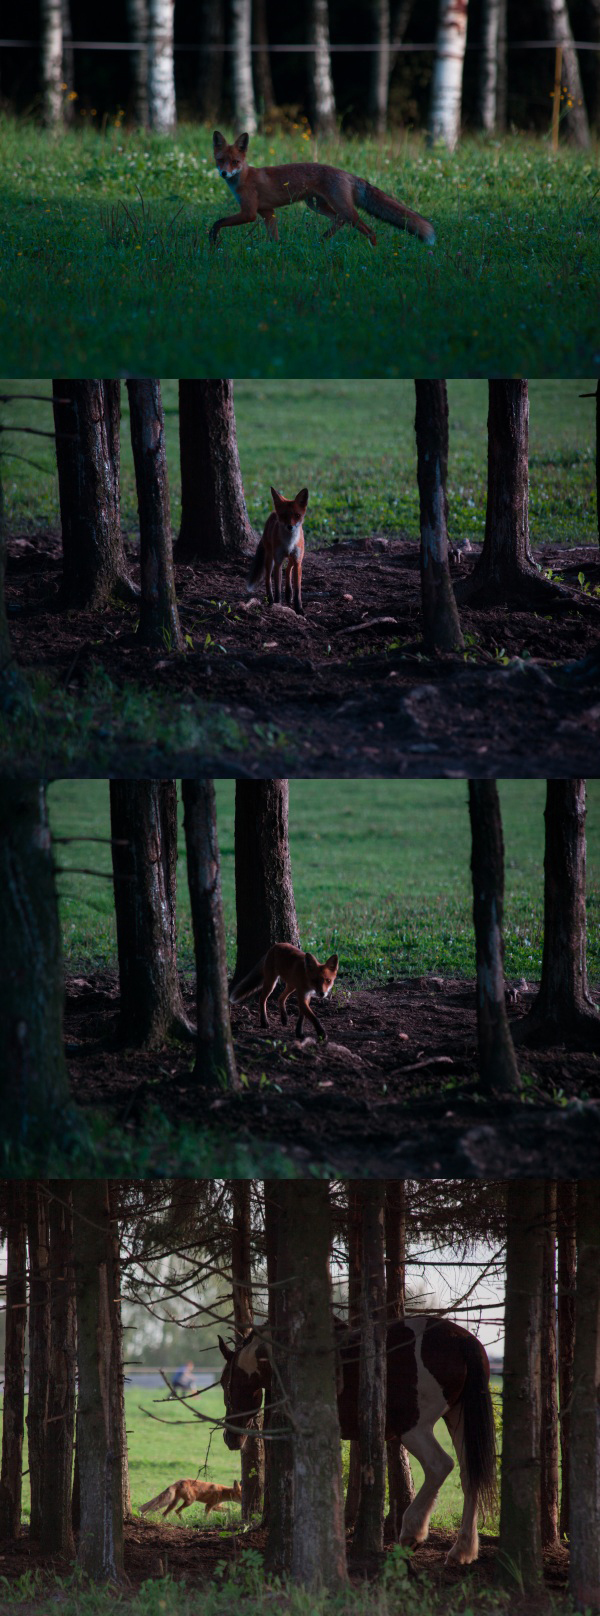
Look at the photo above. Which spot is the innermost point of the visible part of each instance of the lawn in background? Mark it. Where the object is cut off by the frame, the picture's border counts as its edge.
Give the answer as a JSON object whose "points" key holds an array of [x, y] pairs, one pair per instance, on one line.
{"points": [[353, 444], [106, 265], [380, 868]]}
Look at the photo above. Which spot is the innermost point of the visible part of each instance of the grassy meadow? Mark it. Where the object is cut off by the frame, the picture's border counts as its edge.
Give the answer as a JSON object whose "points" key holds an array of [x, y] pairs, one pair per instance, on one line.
{"points": [[380, 868], [353, 444], [106, 264]]}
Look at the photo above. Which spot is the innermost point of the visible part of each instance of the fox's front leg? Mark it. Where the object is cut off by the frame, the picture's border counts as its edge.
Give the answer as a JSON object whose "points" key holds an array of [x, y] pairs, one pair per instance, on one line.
{"points": [[305, 1010], [298, 607], [283, 998], [264, 1019], [277, 581], [246, 216], [268, 571]]}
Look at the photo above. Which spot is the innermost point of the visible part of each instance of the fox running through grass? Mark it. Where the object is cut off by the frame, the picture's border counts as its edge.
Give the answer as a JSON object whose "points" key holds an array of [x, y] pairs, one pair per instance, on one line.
{"points": [[299, 972], [282, 544], [330, 191], [181, 1494]]}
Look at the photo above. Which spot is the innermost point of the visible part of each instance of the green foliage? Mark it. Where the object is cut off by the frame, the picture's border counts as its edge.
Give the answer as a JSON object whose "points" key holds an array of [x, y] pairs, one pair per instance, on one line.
{"points": [[106, 263]]}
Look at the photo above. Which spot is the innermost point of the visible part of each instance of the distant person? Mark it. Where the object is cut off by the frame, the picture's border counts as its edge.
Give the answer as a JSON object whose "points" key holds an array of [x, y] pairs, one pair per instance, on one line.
{"points": [[183, 1379]]}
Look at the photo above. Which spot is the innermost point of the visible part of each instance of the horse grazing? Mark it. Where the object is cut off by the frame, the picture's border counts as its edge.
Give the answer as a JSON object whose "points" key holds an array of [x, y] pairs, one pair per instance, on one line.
{"points": [[435, 1370]]}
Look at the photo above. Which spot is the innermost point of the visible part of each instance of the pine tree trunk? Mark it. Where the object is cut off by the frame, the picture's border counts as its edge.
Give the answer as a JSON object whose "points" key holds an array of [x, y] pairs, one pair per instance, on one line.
{"points": [[446, 85], [488, 72], [138, 28], [321, 93], [563, 1010], [215, 1060], [87, 420], [34, 1087], [567, 1262], [161, 66], [39, 1343], [252, 1455], [318, 1550], [354, 1319], [14, 1361], [498, 1070], [13, 689], [401, 15], [441, 626], [520, 1529], [100, 1546], [118, 1379], [210, 77], [400, 1483], [549, 1389], [584, 1537], [143, 816], [262, 65], [244, 112], [278, 1558], [368, 1532], [52, 61], [559, 29], [380, 67], [159, 618], [264, 893], [214, 521], [56, 1536]]}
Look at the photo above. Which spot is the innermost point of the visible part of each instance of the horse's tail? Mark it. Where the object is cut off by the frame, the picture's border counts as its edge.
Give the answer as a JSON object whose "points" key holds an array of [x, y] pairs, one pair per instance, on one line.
{"points": [[478, 1425]]}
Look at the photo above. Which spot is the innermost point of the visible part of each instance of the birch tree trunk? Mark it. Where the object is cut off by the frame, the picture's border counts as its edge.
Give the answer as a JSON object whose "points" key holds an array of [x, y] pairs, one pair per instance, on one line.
{"points": [[159, 617], [498, 1070], [14, 1361], [563, 1009], [520, 1531], [100, 1546], [321, 93], [380, 67], [52, 61], [162, 114], [38, 1239], [584, 1537], [244, 111], [446, 84], [210, 77], [214, 521], [118, 1379], [488, 72], [87, 422], [549, 1388], [215, 1060], [56, 1536], [138, 27], [567, 1263], [559, 29], [368, 1532], [253, 1451], [400, 1483], [441, 626], [143, 816], [264, 892]]}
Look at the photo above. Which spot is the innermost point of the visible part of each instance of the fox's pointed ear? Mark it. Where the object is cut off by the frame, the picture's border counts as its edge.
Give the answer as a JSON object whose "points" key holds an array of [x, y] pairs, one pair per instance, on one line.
{"points": [[311, 962], [277, 499], [242, 143], [219, 141], [332, 963], [226, 1351], [302, 499]]}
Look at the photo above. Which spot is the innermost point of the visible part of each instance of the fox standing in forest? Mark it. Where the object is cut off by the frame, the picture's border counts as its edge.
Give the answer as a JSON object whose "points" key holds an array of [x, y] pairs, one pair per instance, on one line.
{"points": [[299, 972], [330, 191], [181, 1494], [282, 544]]}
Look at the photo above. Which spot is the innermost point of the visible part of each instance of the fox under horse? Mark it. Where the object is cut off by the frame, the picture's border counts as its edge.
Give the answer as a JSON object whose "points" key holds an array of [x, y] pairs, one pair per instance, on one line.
{"points": [[435, 1370]]}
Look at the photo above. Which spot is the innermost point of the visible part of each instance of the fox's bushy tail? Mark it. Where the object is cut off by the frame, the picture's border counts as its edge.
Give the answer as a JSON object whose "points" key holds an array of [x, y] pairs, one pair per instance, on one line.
{"points": [[248, 983], [160, 1502], [385, 207], [257, 565]]}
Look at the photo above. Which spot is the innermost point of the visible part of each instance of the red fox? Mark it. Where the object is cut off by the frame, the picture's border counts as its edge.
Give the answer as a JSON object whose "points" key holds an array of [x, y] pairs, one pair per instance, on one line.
{"points": [[259, 191], [298, 971], [184, 1493], [282, 541]]}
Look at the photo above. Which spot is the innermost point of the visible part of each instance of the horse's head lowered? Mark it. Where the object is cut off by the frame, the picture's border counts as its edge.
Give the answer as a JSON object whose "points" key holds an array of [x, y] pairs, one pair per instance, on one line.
{"points": [[243, 1381]]}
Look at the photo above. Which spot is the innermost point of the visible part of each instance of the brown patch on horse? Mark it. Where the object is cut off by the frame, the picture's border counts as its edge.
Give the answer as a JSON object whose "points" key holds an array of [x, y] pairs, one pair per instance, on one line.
{"points": [[443, 1355]]}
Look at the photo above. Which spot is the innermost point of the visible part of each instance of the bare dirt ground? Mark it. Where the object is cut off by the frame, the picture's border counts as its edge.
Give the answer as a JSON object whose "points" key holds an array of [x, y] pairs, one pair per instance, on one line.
{"points": [[391, 1093], [344, 690]]}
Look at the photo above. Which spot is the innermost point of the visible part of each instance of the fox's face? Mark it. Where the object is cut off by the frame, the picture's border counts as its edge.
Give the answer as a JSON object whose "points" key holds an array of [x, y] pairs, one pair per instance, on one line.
{"points": [[230, 160], [321, 977], [290, 513]]}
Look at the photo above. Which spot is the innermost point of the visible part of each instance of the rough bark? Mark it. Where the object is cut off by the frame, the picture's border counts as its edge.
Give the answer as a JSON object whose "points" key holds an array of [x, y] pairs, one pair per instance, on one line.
{"points": [[563, 1010], [56, 1535], [34, 1089], [498, 1070], [446, 85], [252, 1455], [14, 1361], [52, 61], [567, 1263], [520, 1530], [161, 66], [380, 66], [584, 1537], [321, 93], [264, 893], [573, 106], [100, 1545], [159, 618], [262, 65], [87, 423], [210, 77], [214, 520], [400, 1483], [318, 1549], [549, 1387], [244, 111], [13, 689], [354, 1296], [137, 24], [441, 626], [143, 815], [215, 1061], [368, 1532], [279, 1452], [38, 1240]]}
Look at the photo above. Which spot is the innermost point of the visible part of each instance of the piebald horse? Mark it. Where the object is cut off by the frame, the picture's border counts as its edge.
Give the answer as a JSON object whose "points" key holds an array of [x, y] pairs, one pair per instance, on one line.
{"points": [[435, 1370]]}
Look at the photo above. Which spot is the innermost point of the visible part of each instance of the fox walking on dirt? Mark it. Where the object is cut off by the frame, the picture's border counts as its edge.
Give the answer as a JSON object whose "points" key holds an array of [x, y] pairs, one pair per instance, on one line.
{"points": [[299, 972], [181, 1494], [282, 544], [330, 191]]}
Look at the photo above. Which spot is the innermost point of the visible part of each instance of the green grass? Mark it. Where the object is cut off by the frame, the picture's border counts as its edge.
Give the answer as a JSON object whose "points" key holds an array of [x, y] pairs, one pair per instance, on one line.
{"points": [[97, 278], [353, 444], [380, 869]]}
